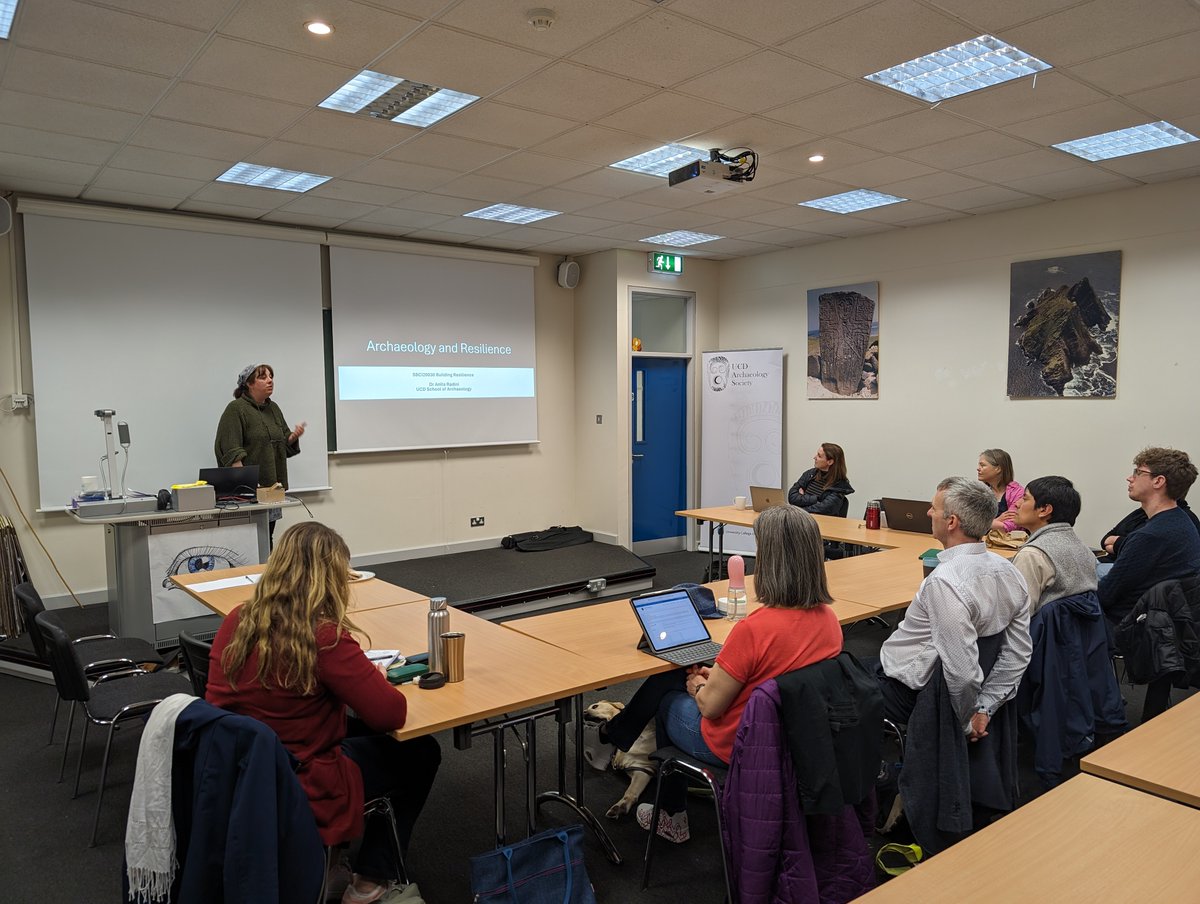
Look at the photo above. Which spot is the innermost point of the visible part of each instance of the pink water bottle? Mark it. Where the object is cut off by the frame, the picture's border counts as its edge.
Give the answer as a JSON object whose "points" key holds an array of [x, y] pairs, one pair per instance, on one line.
{"points": [[873, 515], [736, 608]]}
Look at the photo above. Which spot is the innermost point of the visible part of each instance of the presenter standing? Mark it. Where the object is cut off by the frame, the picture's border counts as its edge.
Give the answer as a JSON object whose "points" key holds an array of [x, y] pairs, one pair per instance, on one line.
{"points": [[253, 431]]}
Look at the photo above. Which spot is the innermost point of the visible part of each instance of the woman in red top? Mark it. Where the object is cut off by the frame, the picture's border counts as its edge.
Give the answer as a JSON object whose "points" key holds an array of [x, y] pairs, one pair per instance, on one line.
{"points": [[698, 709], [287, 658]]}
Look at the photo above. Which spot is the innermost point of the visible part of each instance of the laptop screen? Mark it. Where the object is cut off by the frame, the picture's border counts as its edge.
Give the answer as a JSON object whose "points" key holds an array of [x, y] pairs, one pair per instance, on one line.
{"points": [[241, 481], [670, 620]]}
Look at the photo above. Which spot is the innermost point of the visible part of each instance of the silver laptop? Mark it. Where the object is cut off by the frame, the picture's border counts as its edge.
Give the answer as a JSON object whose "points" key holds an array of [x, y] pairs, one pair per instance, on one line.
{"points": [[907, 514], [765, 497], [672, 629]]}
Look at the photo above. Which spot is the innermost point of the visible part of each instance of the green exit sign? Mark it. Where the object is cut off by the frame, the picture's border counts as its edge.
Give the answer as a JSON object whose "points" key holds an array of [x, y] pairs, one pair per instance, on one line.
{"points": [[662, 262]]}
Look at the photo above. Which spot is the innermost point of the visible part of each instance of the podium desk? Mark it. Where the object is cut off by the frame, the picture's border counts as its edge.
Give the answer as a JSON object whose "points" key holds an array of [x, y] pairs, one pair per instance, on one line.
{"points": [[1086, 841], [144, 550], [1158, 757], [364, 595]]}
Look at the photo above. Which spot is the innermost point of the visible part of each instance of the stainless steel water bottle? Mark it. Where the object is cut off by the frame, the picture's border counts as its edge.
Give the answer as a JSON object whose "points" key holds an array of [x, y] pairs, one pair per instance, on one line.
{"points": [[439, 624]]}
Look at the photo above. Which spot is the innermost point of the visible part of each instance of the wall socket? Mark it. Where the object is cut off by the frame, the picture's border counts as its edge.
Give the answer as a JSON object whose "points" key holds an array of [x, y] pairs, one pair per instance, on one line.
{"points": [[18, 400], [477, 522]]}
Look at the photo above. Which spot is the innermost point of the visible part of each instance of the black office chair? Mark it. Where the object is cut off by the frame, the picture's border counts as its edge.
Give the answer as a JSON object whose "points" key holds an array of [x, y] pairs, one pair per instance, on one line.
{"points": [[195, 659], [114, 698], [380, 806], [99, 653]]}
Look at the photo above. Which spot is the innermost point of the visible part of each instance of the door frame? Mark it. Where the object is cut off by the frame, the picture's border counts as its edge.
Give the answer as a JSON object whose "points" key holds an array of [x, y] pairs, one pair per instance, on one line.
{"points": [[653, 547]]}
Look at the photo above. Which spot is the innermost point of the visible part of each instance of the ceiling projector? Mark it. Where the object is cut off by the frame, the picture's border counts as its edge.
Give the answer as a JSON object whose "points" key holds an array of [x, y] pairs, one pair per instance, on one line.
{"points": [[719, 174]]}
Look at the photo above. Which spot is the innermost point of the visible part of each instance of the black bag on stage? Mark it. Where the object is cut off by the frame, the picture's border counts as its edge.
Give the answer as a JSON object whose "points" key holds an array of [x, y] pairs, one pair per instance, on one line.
{"points": [[546, 868], [550, 538]]}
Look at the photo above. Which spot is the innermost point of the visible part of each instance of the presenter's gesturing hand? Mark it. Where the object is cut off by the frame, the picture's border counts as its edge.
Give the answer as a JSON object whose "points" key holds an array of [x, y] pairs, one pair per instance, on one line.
{"points": [[298, 432]]}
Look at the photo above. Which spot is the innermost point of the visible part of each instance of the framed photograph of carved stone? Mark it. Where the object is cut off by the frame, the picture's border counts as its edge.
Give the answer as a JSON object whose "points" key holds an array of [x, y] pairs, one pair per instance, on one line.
{"points": [[843, 342], [1064, 313]]}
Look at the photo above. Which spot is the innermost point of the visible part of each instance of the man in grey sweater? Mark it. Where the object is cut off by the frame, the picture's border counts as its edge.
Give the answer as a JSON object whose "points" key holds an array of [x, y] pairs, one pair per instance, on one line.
{"points": [[1054, 561]]}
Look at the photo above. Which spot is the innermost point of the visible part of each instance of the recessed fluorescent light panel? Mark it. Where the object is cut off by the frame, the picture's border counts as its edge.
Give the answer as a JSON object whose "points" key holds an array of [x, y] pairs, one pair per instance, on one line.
{"points": [[1122, 142], [511, 213], [661, 161], [271, 177], [979, 63], [681, 238], [8, 9], [380, 96], [850, 201]]}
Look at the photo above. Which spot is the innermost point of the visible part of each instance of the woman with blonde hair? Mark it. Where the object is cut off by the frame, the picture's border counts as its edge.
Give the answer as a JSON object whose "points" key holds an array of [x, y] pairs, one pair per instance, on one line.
{"points": [[288, 659]]}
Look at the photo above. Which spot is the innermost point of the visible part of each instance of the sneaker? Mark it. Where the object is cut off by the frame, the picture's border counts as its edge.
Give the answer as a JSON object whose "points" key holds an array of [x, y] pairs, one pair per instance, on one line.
{"points": [[376, 894], [403, 894], [673, 827], [598, 753], [339, 879]]}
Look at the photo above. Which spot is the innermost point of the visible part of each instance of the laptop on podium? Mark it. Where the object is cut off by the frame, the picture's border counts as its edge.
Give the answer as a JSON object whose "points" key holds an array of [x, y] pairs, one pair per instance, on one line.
{"points": [[672, 629], [907, 514]]}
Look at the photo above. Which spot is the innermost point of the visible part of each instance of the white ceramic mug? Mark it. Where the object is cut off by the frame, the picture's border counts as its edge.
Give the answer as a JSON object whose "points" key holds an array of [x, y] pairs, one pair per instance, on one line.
{"points": [[739, 502]]}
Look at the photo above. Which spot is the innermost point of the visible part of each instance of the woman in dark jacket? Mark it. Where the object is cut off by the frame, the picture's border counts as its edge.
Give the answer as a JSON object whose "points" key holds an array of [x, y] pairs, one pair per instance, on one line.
{"points": [[823, 488]]}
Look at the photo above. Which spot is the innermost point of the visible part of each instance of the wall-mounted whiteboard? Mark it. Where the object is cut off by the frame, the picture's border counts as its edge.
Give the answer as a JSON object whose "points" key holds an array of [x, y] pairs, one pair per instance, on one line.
{"points": [[156, 323]]}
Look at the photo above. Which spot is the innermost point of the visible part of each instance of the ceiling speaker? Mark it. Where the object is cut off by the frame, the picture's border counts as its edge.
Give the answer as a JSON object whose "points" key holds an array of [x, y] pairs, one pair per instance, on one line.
{"points": [[568, 274], [6, 217]]}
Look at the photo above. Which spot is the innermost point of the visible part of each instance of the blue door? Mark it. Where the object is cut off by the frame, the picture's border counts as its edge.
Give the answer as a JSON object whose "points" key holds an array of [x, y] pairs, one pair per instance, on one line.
{"points": [[659, 434]]}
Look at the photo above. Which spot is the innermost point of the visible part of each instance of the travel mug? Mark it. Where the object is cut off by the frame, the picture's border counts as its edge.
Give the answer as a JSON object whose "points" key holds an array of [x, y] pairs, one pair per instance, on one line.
{"points": [[453, 643]]}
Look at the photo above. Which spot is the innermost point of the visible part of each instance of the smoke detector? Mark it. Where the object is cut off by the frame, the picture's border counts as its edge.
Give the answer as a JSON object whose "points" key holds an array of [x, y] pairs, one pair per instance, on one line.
{"points": [[541, 19]]}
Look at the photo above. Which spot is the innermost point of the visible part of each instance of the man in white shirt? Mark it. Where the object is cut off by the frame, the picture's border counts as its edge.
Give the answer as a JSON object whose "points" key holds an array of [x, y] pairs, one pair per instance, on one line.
{"points": [[971, 594]]}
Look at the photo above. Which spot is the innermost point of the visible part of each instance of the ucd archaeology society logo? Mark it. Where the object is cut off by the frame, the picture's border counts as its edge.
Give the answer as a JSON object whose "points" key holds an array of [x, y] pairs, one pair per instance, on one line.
{"points": [[718, 373]]}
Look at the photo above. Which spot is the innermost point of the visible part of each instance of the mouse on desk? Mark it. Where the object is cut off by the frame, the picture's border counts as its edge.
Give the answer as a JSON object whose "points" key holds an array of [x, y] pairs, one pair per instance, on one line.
{"points": [[431, 681]]}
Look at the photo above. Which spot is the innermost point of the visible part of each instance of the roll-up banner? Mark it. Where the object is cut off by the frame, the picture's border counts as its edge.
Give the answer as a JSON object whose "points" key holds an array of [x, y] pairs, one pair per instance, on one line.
{"points": [[741, 441]]}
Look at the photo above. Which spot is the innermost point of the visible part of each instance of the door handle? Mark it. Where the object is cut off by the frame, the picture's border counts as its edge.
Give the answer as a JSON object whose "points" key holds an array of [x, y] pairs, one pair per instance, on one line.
{"points": [[637, 455], [639, 399]]}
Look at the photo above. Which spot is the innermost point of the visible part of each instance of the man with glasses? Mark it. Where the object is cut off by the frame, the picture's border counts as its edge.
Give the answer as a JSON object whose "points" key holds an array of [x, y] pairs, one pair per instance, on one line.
{"points": [[1167, 546]]}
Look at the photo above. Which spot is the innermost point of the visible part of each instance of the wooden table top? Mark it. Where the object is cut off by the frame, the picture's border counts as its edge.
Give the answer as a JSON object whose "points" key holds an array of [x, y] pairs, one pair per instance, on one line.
{"points": [[883, 581], [364, 595], [505, 671], [608, 633], [1159, 756], [1086, 841]]}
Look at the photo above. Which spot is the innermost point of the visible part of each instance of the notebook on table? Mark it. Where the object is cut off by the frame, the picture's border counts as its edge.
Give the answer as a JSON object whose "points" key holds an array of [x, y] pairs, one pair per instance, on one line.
{"points": [[907, 514], [672, 629], [765, 497], [233, 483]]}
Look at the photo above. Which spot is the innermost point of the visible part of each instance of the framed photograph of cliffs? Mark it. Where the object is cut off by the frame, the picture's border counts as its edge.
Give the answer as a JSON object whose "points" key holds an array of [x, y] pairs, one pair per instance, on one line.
{"points": [[843, 342], [1063, 327]]}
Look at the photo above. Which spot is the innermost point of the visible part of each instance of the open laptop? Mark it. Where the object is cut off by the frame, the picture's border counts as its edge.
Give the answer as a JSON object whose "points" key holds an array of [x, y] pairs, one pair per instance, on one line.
{"points": [[672, 629], [907, 514], [232, 483], [765, 497]]}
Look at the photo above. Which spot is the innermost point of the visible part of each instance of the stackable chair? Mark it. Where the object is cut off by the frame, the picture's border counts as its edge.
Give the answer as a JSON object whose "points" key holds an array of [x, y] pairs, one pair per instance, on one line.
{"points": [[114, 698], [380, 806], [99, 653], [195, 660]]}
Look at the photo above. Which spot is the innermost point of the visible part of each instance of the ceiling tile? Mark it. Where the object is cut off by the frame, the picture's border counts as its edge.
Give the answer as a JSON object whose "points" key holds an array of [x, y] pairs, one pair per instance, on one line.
{"points": [[147, 183], [202, 14], [302, 157], [571, 222], [943, 215], [266, 72], [168, 163], [1165, 160], [1154, 64], [107, 36], [499, 123], [580, 244], [1170, 102], [837, 154], [1100, 28], [410, 219], [1090, 119], [623, 232], [989, 16], [22, 166], [624, 211], [851, 105], [341, 211], [449, 152], [781, 237], [977, 197], [882, 35], [929, 186], [412, 176], [610, 183], [596, 145], [222, 109], [472, 226], [959, 152], [558, 199], [20, 109], [184, 138], [536, 168], [666, 117], [760, 82], [361, 32], [126, 198], [771, 21], [1068, 183], [35, 186], [86, 83], [880, 171], [36, 143], [437, 55], [663, 49], [447, 205], [358, 134], [794, 192], [681, 219], [739, 247], [222, 210], [578, 22], [737, 205], [908, 212], [910, 130], [763, 135], [575, 92], [362, 192], [242, 195], [493, 191], [1020, 166], [312, 221], [1022, 99]]}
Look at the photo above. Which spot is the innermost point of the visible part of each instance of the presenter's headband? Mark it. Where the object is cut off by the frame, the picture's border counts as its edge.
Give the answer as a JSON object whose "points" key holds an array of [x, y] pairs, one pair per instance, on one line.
{"points": [[246, 373]]}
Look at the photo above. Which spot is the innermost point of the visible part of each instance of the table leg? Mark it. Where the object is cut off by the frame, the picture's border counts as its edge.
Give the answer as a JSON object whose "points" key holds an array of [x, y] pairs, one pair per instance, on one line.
{"points": [[531, 775], [498, 782]]}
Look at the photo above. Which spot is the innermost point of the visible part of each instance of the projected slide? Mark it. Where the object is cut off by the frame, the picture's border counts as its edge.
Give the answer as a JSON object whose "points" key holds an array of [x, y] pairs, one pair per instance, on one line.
{"points": [[431, 352]]}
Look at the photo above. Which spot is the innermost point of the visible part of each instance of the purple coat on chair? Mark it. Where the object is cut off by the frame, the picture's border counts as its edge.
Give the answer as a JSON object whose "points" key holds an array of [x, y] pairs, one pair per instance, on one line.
{"points": [[777, 854]]}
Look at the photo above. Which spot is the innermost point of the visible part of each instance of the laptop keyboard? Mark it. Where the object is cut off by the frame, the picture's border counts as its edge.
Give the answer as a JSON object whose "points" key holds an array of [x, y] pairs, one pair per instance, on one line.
{"points": [[701, 652]]}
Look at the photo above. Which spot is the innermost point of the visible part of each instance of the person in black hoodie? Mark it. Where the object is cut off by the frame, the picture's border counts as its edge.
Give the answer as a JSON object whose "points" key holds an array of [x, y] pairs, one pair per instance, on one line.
{"points": [[823, 488]]}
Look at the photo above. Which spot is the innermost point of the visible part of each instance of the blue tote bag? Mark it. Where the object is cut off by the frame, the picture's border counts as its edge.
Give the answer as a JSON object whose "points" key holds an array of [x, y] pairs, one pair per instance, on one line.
{"points": [[546, 868]]}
